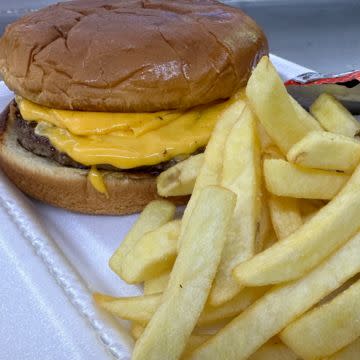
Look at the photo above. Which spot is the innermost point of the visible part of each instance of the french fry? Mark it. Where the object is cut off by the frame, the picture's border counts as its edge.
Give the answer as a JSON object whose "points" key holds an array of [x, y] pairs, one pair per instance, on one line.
{"points": [[211, 329], [155, 214], [266, 234], [136, 330], [195, 340], [333, 116], [241, 174], [308, 208], [280, 306], [156, 285], [339, 290], [285, 215], [264, 139], [265, 231], [327, 151], [270, 240], [285, 179], [265, 226], [140, 309], [272, 152], [154, 253], [233, 307], [180, 178], [210, 172], [350, 352], [274, 352], [294, 256], [136, 308], [275, 109], [168, 331], [328, 328], [305, 116]]}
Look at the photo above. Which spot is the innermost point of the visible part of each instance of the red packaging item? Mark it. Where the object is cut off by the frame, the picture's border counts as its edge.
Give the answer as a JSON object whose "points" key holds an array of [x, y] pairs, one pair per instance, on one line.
{"points": [[345, 87]]}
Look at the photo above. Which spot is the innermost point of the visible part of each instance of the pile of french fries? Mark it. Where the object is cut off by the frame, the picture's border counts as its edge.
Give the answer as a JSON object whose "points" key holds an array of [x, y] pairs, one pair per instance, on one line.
{"points": [[263, 263]]}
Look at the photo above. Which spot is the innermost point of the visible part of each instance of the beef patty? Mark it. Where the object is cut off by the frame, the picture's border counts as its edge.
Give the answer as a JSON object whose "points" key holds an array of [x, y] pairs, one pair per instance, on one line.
{"points": [[41, 145]]}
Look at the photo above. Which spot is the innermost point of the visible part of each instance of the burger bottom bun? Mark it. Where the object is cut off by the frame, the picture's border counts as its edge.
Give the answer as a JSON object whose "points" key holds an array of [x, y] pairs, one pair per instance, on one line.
{"points": [[69, 188]]}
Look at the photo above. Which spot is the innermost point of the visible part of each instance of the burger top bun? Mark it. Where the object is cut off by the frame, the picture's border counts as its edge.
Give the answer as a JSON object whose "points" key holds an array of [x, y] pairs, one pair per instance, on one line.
{"points": [[130, 55]]}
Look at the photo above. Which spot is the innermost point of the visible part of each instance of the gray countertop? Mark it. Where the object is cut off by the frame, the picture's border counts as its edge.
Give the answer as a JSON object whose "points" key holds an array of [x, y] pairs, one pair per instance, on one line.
{"points": [[318, 34], [321, 35]]}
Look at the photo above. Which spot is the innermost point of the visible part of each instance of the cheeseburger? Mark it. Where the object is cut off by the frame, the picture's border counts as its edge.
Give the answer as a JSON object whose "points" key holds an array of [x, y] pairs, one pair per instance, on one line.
{"points": [[110, 93]]}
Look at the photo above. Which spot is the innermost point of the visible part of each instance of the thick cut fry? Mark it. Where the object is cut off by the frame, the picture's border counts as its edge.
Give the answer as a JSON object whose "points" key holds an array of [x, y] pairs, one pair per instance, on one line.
{"points": [[136, 308], [272, 152], [155, 214], [327, 151], [274, 107], [167, 333], [136, 330], [154, 253], [264, 139], [305, 116], [294, 256], [241, 174], [339, 290], [280, 306], [270, 240], [156, 285], [141, 308], [210, 172], [285, 179], [328, 328], [285, 215], [265, 226], [195, 340], [274, 352], [180, 178], [212, 328], [333, 116], [232, 308], [350, 352]]}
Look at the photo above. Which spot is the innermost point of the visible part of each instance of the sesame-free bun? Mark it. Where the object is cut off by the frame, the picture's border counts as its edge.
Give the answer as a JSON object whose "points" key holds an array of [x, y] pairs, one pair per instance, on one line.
{"points": [[129, 55], [69, 188]]}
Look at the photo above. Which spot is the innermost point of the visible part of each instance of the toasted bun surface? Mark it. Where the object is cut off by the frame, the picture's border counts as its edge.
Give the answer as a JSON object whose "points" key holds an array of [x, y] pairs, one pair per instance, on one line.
{"points": [[129, 55], [69, 188]]}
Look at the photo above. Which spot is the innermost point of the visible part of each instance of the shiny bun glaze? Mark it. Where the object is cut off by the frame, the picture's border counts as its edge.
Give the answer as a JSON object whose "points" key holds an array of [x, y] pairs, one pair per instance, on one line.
{"points": [[129, 55]]}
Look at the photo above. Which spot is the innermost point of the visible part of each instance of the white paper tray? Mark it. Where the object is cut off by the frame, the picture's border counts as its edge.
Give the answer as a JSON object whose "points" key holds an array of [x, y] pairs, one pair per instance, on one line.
{"points": [[51, 260]]}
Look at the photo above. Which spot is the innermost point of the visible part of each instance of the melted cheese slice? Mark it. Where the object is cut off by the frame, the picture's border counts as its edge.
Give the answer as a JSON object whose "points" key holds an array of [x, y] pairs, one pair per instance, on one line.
{"points": [[97, 181], [121, 140], [95, 123]]}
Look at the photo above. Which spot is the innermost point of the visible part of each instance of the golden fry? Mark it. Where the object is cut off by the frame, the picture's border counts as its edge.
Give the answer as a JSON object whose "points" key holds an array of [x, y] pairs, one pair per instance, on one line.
{"points": [[285, 179], [275, 109], [327, 151], [333, 116], [294, 256], [280, 306], [327, 328], [154, 253], [241, 174], [155, 214], [168, 331], [285, 215], [180, 178]]}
